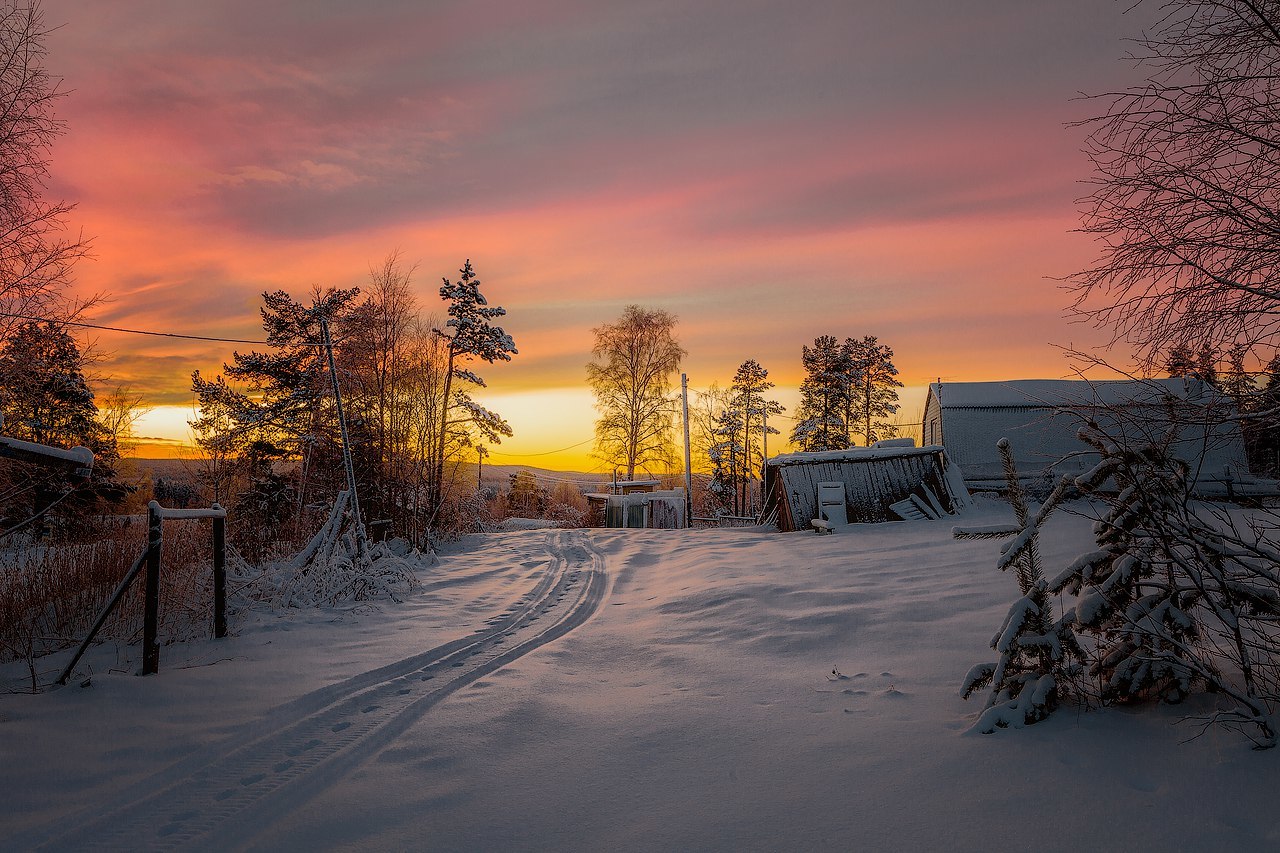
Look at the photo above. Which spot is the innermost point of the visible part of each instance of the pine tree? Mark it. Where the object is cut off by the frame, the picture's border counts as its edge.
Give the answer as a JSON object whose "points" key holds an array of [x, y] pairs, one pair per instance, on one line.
{"points": [[820, 421], [45, 398], [1206, 366], [474, 336], [285, 410], [1264, 425], [1126, 575], [44, 394], [1180, 361], [747, 396], [726, 456], [872, 394]]}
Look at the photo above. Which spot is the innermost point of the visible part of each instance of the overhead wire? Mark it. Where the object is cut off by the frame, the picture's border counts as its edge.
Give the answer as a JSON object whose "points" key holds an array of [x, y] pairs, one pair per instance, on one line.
{"points": [[151, 333], [544, 453]]}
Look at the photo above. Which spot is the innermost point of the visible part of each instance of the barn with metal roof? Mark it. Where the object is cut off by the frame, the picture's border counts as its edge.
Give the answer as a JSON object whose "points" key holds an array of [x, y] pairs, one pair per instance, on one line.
{"points": [[1041, 418]]}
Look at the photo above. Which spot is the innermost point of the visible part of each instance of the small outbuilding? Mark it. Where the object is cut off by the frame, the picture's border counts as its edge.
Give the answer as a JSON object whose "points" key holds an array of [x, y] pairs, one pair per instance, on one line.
{"points": [[639, 504], [1041, 419], [889, 481]]}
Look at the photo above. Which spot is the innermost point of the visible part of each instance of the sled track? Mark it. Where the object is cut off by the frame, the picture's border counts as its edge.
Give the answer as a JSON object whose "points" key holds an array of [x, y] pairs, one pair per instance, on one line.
{"points": [[216, 797]]}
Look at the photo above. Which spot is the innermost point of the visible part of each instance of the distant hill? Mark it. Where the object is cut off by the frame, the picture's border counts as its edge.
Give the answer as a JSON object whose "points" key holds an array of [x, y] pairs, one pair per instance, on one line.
{"points": [[493, 476], [499, 476], [169, 469]]}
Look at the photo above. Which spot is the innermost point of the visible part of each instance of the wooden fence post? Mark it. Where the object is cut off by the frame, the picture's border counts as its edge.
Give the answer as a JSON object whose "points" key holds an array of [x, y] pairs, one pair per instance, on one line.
{"points": [[219, 575], [151, 596]]}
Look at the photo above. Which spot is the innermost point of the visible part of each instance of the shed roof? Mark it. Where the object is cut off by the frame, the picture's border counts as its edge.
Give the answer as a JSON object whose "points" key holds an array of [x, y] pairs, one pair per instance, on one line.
{"points": [[851, 454]]}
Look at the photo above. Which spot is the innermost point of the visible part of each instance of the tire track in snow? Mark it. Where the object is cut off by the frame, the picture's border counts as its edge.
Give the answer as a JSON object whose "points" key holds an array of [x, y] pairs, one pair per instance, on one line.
{"points": [[224, 795]]}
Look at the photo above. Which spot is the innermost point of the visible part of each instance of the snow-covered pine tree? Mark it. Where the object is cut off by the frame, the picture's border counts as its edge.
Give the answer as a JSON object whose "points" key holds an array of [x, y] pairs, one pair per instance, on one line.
{"points": [[1038, 655], [726, 455], [1126, 579]]}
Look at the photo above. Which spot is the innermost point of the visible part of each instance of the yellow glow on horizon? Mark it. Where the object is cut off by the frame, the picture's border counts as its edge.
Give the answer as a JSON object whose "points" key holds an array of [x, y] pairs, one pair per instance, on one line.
{"points": [[554, 427]]}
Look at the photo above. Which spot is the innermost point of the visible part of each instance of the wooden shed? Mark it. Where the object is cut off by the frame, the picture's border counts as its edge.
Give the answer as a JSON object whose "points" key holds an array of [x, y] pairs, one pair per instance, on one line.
{"points": [[873, 478]]}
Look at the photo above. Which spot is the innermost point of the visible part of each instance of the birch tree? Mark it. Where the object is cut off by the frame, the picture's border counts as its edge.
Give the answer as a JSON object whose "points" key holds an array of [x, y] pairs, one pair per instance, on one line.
{"points": [[1184, 197], [634, 360]]}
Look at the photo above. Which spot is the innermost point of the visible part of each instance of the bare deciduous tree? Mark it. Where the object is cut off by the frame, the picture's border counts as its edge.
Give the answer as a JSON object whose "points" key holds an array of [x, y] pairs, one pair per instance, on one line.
{"points": [[118, 412], [36, 251], [1186, 186], [634, 359]]}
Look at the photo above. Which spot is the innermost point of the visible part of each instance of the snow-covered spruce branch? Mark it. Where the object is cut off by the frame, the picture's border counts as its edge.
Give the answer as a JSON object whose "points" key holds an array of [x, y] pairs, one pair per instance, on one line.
{"points": [[1174, 597], [1038, 656]]}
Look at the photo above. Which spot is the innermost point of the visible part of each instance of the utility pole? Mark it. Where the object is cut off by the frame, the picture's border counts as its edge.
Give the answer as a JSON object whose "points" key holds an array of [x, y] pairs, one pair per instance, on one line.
{"points": [[688, 473], [346, 442], [481, 453], [764, 450]]}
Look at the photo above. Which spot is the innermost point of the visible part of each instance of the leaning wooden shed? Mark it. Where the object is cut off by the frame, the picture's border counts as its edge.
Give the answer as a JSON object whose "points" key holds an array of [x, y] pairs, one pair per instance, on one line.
{"points": [[874, 479]]}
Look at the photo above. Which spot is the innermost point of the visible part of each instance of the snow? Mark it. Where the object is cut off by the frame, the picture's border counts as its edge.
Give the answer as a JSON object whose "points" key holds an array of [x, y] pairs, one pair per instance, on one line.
{"points": [[516, 523], [879, 450], [1063, 392], [78, 455], [734, 689]]}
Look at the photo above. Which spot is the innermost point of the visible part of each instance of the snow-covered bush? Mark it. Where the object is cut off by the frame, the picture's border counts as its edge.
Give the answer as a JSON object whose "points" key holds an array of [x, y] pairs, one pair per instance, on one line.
{"points": [[336, 566]]}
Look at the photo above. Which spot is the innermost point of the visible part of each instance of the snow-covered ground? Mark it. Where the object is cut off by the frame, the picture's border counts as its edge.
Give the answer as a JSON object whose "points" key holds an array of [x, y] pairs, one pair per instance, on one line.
{"points": [[638, 690]]}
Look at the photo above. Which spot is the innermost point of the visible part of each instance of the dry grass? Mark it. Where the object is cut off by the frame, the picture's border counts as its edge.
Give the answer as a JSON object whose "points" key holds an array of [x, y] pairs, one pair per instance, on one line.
{"points": [[51, 595]]}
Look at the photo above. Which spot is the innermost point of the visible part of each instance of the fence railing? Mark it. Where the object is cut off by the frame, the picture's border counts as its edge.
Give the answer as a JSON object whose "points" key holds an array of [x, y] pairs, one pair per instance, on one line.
{"points": [[150, 560]]}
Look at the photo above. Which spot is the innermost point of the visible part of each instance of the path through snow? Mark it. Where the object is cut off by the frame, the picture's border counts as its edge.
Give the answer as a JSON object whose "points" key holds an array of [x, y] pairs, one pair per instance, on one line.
{"points": [[310, 744]]}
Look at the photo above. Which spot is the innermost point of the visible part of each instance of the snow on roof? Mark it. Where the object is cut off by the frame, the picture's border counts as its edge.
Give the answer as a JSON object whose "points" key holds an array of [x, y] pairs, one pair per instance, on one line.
{"points": [[1037, 393], [853, 454], [1041, 418]]}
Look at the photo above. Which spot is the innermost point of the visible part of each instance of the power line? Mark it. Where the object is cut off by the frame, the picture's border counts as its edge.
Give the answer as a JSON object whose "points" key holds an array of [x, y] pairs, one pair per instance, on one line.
{"points": [[153, 334], [130, 331], [544, 453]]}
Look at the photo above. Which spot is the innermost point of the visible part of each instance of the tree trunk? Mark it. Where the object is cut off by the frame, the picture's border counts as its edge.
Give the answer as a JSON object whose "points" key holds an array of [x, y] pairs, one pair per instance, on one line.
{"points": [[437, 475]]}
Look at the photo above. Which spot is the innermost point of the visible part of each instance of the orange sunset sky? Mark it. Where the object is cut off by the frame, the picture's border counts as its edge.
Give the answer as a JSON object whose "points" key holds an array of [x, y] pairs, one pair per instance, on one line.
{"points": [[768, 170]]}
